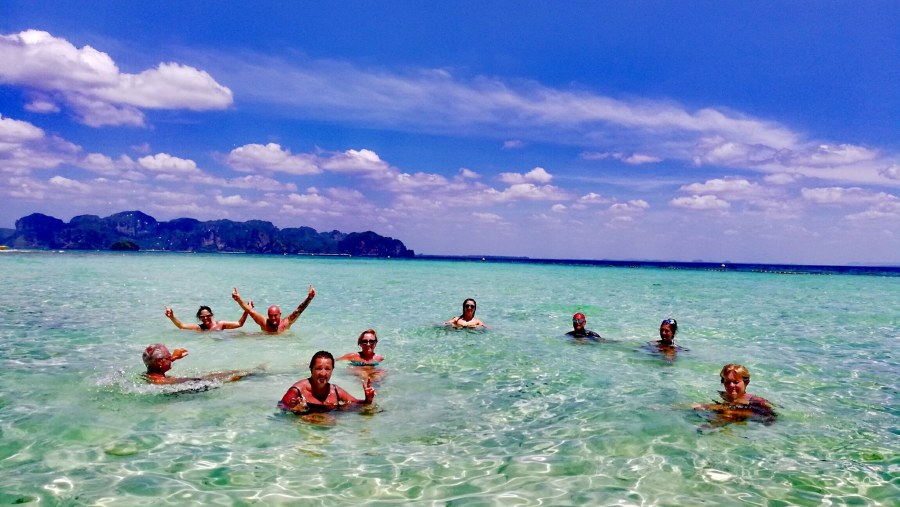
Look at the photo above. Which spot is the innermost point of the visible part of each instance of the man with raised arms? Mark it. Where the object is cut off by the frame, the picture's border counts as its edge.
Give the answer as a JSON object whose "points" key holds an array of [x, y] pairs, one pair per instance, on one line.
{"points": [[273, 323]]}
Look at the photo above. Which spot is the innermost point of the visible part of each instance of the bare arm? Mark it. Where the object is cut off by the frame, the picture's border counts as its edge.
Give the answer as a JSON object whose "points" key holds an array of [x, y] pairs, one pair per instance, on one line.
{"points": [[180, 325], [248, 309], [296, 313], [224, 324], [293, 401], [348, 398]]}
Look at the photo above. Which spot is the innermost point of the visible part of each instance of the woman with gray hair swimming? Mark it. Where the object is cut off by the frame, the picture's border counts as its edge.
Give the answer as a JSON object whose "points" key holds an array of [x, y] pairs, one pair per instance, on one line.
{"points": [[158, 361]]}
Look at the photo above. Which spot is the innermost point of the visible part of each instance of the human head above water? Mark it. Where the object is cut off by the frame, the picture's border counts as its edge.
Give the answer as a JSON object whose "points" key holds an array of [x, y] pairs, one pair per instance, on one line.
{"points": [[364, 333], [671, 324], [470, 303], [202, 308], [738, 369], [317, 355], [154, 353]]}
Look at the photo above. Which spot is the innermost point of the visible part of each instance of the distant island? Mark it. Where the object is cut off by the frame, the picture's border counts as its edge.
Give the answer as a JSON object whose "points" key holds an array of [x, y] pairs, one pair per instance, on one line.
{"points": [[135, 230]]}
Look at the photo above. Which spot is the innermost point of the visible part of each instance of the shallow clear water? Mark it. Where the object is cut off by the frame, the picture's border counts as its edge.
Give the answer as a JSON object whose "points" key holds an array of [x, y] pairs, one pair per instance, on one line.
{"points": [[517, 415]]}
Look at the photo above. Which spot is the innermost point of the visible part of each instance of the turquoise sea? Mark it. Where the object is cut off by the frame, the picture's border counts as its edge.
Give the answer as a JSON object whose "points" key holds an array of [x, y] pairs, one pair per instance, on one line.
{"points": [[517, 415]]}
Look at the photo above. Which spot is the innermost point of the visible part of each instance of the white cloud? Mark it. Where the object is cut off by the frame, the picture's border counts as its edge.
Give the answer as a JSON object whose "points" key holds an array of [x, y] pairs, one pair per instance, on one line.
{"points": [[879, 213], [231, 200], [66, 183], [358, 161], [167, 164], [492, 218], [632, 159], [735, 188], [42, 105], [536, 175], [17, 131], [528, 192], [271, 158], [468, 174], [558, 208], [844, 196], [700, 202], [89, 82], [632, 206], [892, 172], [781, 178]]}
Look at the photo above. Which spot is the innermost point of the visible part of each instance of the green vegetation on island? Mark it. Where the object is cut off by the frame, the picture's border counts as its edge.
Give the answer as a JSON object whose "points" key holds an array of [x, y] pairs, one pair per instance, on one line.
{"points": [[135, 230]]}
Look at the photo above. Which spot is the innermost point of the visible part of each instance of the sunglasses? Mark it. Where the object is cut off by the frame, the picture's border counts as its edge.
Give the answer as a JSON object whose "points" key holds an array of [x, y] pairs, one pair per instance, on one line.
{"points": [[204, 316], [368, 342], [578, 321], [468, 306]]}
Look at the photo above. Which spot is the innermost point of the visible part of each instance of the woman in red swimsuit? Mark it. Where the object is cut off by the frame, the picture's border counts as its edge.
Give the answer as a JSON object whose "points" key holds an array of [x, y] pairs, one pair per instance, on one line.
{"points": [[317, 393]]}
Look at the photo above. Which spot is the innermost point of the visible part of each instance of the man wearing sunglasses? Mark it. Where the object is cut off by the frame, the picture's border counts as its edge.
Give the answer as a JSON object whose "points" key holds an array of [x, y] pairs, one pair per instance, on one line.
{"points": [[578, 331]]}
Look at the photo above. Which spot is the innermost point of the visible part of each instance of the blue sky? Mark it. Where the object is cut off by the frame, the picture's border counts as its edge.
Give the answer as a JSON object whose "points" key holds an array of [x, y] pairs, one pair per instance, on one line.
{"points": [[721, 131]]}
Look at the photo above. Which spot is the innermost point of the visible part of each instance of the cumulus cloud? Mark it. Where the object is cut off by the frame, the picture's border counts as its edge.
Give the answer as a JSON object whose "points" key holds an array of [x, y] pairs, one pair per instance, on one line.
{"points": [[90, 83], [536, 175], [734, 188], [231, 200], [700, 202], [167, 164], [468, 174], [68, 184], [271, 158], [17, 131], [527, 192], [363, 161], [892, 172], [632, 206]]}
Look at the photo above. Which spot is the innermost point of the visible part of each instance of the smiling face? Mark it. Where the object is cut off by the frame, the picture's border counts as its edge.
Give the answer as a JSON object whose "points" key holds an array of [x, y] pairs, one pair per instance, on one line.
{"points": [[205, 315], [735, 386], [274, 316], [367, 342], [320, 372]]}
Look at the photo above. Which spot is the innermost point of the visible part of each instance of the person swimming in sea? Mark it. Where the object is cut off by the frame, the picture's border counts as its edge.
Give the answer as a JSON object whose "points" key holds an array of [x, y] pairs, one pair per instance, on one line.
{"points": [[205, 316], [365, 362], [578, 332], [158, 361], [666, 345], [737, 404], [467, 319], [317, 394]]}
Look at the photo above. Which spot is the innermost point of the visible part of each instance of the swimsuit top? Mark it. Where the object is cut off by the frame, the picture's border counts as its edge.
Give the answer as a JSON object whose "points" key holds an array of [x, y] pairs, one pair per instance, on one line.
{"points": [[364, 363]]}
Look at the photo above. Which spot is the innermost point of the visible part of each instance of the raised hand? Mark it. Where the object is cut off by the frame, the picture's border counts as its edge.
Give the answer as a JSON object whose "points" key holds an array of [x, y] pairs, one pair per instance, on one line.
{"points": [[178, 354], [368, 389]]}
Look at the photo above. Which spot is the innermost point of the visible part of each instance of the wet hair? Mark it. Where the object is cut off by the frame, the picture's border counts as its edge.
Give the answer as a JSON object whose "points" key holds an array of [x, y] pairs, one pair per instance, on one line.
{"points": [[473, 302], [321, 353], [741, 370], [204, 307], [154, 353], [672, 323], [367, 331]]}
